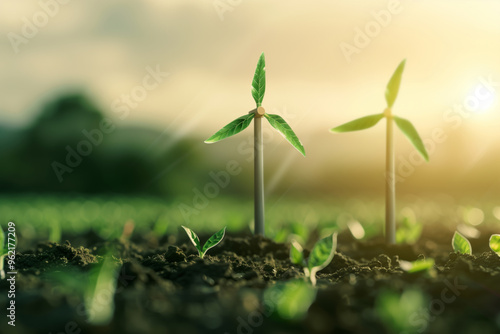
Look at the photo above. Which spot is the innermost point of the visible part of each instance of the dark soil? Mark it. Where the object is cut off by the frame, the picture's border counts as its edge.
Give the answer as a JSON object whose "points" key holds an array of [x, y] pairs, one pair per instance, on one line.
{"points": [[168, 289]]}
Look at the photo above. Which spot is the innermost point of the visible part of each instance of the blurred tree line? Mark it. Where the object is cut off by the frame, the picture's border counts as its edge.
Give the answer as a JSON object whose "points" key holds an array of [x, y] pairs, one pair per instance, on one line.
{"points": [[71, 147]]}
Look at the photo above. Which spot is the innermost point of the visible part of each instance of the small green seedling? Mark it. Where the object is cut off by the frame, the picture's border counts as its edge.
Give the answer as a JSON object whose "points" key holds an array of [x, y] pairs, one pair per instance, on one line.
{"points": [[97, 288], [321, 255], [461, 244], [417, 266], [495, 243], [213, 241], [55, 232], [3, 252], [292, 299], [409, 231], [397, 309], [102, 280], [410, 132], [241, 123]]}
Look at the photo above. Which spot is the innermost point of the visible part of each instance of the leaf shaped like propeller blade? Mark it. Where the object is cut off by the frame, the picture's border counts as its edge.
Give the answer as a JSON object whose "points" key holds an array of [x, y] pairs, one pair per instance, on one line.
{"points": [[259, 81], [282, 126], [461, 244], [411, 133], [214, 240], [391, 92], [236, 126], [194, 239], [359, 124]]}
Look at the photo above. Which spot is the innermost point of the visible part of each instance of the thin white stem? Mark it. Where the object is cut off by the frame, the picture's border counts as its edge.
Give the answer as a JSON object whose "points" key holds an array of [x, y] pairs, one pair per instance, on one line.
{"points": [[258, 176], [390, 185]]}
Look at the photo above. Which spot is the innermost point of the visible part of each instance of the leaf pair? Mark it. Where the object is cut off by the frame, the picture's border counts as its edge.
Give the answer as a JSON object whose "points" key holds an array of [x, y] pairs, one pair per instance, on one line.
{"points": [[276, 121], [404, 125], [212, 242], [321, 255]]}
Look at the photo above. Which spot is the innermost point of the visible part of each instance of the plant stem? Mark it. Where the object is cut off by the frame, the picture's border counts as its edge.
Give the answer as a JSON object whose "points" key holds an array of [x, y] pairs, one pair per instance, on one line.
{"points": [[390, 185], [258, 176]]}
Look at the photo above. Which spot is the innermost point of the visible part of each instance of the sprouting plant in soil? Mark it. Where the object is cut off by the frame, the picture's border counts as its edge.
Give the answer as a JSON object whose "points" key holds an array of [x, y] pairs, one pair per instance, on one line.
{"points": [[213, 241], [293, 298], [3, 252], [421, 265], [495, 243], [321, 255], [461, 244], [241, 123], [102, 279], [97, 288], [409, 131]]}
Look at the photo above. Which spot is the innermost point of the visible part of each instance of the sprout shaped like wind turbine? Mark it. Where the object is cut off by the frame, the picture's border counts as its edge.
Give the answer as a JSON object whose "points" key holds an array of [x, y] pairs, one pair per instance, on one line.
{"points": [[409, 131], [241, 123]]}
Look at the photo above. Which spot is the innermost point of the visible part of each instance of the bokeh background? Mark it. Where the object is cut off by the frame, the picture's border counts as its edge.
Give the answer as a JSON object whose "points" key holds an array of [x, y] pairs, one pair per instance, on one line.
{"points": [[66, 66]]}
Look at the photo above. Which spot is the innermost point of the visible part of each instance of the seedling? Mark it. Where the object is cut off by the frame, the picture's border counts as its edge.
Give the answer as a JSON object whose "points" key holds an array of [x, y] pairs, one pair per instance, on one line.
{"points": [[394, 308], [321, 255], [3, 253], [103, 280], [418, 266], [97, 288], [292, 298], [495, 243], [409, 231], [212, 242], [410, 132], [241, 123], [461, 244]]}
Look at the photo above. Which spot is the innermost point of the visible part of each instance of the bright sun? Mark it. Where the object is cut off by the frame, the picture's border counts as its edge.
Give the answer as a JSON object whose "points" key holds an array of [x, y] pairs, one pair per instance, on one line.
{"points": [[482, 99]]}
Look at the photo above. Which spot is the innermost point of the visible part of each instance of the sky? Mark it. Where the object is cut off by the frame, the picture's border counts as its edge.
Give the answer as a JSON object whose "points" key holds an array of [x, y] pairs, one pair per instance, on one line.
{"points": [[327, 63]]}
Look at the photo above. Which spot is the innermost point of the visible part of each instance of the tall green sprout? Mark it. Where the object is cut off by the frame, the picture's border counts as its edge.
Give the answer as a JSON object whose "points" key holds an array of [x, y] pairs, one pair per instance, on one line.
{"points": [[241, 123], [410, 132]]}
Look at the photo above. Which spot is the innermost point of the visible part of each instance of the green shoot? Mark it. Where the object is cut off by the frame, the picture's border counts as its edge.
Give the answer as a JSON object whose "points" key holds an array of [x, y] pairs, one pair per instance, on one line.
{"points": [[409, 230], [241, 123], [102, 283], [321, 255], [409, 131], [495, 243], [55, 232], [395, 308], [461, 244], [3, 253], [417, 266], [292, 299], [213, 241]]}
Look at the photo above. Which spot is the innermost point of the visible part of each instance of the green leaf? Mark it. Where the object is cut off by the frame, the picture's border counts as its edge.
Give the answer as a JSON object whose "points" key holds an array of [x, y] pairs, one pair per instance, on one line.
{"points": [[411, 133], [359, 124], [214, 240], [194, 239], [236, 126], [259, 81], [461, 244], [295, 298], [392, 89], [495, 243], [322, 253], [296, 253], [100, 310], [279, 124], [416, 266]]}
